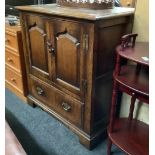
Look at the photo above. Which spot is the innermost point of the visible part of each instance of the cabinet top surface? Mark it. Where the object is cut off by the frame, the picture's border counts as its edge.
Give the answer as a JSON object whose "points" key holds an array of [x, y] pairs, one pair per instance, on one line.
{"points": [[80, 13]]}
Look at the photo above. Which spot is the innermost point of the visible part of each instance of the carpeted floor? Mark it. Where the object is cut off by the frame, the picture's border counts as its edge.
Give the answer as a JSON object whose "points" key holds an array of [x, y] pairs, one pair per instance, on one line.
{"points": [[41, 134]]}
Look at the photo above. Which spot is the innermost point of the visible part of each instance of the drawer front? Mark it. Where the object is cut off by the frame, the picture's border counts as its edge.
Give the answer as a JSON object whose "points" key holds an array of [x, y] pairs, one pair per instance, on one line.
{"points": [[69, 108], [64, 105], [11, 41], [14, 79], [12, 60], [41, 91]]}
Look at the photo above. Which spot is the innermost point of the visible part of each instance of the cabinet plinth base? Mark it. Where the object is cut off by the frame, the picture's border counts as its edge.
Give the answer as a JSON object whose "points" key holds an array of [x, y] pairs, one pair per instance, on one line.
{"points": [[86, 140], [91, 143], [31, 102]]}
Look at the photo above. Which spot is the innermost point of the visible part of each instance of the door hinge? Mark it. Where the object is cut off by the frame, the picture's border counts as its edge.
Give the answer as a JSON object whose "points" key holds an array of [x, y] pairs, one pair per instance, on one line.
{"points": [[85, 42], [84, 85]]}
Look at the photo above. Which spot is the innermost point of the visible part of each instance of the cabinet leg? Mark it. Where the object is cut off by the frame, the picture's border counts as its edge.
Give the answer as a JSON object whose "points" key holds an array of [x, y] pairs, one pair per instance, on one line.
{"points": [[91, 142], [86, 142], [109, 147]]}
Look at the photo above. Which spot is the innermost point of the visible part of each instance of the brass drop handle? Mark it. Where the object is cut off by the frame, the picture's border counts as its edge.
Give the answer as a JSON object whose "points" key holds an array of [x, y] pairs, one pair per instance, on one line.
{"points": [[66, 106], [50, 48], [10, 60], [39, 91], [13, 79]]}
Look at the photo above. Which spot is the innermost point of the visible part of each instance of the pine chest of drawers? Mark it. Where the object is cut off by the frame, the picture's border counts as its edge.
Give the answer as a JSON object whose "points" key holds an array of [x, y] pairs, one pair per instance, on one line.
{"points": [[69, 57], [15, 74]]}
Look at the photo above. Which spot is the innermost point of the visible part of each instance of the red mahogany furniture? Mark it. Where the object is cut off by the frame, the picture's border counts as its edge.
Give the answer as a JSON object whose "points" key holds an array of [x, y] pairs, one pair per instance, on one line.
{"points": [[12, 145], [129, 134]]}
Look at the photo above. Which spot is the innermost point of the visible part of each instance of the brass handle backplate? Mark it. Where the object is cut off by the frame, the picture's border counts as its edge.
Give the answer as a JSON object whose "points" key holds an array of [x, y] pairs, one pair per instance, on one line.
{"points": [[39, 90], [66, 106]]}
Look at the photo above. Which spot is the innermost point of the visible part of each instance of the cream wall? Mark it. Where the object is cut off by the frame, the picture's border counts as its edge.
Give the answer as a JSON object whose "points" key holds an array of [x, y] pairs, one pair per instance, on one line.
{"points": [[141, 26], [141, 21]]}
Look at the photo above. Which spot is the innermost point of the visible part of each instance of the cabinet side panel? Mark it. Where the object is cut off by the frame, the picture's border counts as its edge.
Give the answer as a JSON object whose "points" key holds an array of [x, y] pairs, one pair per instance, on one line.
{"points": [[109, 35]]}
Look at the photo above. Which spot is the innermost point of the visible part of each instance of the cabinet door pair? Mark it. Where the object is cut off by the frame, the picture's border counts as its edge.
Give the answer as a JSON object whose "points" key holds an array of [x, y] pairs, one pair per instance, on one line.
{"points": [[56, 51]]}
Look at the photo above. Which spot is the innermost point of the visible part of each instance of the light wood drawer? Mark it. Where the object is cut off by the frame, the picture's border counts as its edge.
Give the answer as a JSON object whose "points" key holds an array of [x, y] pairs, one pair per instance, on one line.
{"points": [[12, 60], [13, 79], [127, 3], [11, 41]]}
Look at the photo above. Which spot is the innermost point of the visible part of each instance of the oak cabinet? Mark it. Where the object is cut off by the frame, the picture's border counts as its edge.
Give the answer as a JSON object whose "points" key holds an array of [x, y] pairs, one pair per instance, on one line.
{"points": [[69, 56]]}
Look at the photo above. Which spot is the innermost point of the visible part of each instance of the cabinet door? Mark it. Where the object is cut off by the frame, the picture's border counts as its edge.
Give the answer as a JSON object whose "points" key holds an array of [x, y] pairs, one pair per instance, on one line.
{"points": [[68, 57], [37, 45]]}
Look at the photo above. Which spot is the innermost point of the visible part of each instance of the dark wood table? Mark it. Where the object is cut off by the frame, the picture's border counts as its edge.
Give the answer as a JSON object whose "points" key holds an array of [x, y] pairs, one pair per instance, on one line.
{"points": [[130, 134], [135, 82], [138, 54]]}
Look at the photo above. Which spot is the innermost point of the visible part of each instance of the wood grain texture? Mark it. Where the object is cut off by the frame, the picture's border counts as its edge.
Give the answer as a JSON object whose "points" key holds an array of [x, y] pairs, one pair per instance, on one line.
{"points": [[16, 92], [69, 61], [12, 60], [37, 45], [87, 14], [14, 79], [37, 39], [11, 41], [128, 3]]}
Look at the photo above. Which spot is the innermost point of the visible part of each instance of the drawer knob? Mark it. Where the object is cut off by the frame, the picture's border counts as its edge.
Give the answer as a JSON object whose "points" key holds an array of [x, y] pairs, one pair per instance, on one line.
{"points": [[39, 91], [7, 40], [13, 80], [66, 106], [10, 60], [128, 4]]}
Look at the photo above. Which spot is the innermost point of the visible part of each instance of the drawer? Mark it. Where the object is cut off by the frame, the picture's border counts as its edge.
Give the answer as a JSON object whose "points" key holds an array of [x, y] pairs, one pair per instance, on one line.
{"points": [[41, 91], [12, 60], [64, 105], [11, 40], [69, 108], [14, 79]]}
